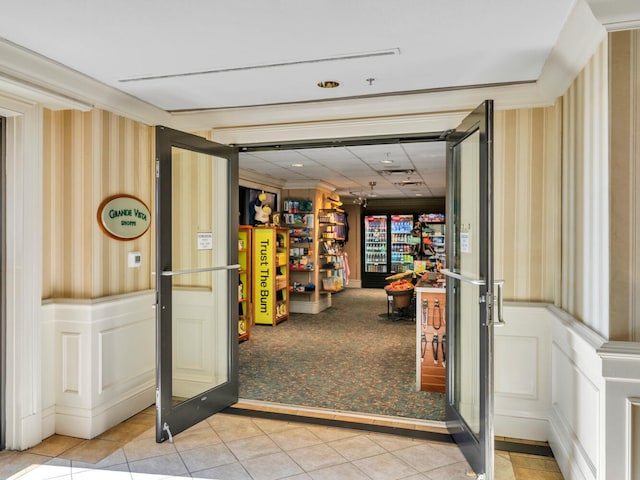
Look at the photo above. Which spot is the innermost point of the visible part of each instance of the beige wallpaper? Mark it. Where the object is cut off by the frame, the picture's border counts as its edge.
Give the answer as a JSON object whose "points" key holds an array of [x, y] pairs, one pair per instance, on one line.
{"points": [[192, 202], [88, 157], [527, 206], [624, 78], [585, 220]]}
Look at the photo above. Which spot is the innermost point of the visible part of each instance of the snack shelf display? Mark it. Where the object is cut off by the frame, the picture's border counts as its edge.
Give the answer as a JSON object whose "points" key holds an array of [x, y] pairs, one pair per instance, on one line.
{"points": [[330, 242]]}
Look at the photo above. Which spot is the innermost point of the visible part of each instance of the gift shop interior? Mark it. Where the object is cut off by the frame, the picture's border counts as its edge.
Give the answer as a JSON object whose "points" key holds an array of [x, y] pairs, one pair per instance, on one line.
{"points": [[342, 303]]}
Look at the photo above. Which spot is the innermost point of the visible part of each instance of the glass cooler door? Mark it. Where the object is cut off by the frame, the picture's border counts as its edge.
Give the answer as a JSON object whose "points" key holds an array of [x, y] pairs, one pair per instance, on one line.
{"points": [[401, 248], [375, 244]]}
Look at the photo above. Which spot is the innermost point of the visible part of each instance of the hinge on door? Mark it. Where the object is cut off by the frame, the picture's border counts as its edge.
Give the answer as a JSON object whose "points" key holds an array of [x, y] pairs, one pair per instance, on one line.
{"points": [[157, 168]]}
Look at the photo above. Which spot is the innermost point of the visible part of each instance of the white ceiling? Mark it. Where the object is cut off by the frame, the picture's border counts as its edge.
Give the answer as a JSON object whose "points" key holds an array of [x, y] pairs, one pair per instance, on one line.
{"points": [[431, 44], [201, 54], [350, 169]]}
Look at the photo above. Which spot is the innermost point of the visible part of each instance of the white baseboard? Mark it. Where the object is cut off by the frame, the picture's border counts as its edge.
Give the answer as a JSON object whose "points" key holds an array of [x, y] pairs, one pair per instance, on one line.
{"points": [[566, 449], [521, 427], [48, 421], [83, 423]]}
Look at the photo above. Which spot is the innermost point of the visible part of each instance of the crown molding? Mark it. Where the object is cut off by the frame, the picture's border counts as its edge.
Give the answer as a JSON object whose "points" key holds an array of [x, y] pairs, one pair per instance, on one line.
{"points": [[616, 15], [34, 95], [58, 87], [578, 41], [505, 97]]}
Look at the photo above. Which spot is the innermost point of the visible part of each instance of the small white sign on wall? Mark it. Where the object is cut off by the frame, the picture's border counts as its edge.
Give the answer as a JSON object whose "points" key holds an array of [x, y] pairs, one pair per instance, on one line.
{"points": [[205, 241], [465, 242]]}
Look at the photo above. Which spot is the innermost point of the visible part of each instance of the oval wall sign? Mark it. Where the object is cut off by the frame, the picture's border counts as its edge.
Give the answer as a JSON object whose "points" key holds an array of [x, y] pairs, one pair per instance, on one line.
{"points": [[124, 217]]}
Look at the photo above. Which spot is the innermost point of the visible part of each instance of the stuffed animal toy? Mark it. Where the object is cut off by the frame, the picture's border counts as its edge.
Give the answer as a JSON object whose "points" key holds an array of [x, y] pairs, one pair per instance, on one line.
{"points": [[262, 210]]}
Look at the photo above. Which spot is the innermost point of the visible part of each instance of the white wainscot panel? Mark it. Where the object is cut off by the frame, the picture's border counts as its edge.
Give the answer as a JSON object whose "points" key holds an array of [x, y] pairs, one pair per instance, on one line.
{"points": [[517, 376], [70, 356], [576, 401], [577, 434], [122, 356], [197, 337], [104, 361], [621, 371], [190, 335], [523, 372]]}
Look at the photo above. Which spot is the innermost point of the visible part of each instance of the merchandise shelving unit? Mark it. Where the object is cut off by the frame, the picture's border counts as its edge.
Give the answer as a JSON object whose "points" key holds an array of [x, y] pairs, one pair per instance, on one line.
{"points": [[330, 256], [245, 282], [299, 218], [434, 249], [270, 275]]}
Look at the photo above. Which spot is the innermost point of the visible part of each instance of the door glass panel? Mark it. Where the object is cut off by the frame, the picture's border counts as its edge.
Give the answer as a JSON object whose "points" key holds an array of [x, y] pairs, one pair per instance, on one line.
{"points": [[467, 376], [469, 211], [375, 243], [200, 359]]}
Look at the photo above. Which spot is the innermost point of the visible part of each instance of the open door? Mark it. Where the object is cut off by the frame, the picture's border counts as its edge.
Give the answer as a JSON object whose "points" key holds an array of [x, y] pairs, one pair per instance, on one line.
{"points": [[470, 292], [196, 280]]}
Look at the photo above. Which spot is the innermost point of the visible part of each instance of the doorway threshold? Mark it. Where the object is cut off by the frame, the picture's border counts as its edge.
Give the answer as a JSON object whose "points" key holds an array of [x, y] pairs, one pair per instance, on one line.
{"points": [[410, 427]]}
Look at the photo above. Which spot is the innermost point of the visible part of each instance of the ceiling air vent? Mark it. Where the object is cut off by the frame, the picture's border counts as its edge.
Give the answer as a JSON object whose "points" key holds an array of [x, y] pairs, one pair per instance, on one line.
{"points": [[398, 171], [409, 183]]}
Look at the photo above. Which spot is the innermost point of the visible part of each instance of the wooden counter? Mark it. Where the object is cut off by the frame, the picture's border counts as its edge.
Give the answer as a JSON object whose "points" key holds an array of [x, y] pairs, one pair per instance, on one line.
{"points": [[430, 322]]}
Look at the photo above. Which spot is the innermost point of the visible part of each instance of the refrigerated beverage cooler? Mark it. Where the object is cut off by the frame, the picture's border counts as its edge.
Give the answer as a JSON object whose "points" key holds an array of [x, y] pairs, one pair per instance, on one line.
{"points": [[396, 243], [375, 246]]}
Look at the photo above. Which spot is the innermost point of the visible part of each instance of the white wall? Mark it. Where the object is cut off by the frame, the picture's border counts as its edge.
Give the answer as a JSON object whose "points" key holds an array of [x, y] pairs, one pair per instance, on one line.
{"points": [[557, 380]]}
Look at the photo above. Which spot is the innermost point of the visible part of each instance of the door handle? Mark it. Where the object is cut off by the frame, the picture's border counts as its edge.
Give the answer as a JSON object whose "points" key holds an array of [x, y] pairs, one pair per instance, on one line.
{"points": [[498, 297], [473, 281], [498, 304], [170, 273]]}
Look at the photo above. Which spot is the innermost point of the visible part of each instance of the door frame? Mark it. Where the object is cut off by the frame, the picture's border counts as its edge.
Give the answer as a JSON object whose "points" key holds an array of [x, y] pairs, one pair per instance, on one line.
{"points": [[195, 409], [478, 451], [3, 303]]}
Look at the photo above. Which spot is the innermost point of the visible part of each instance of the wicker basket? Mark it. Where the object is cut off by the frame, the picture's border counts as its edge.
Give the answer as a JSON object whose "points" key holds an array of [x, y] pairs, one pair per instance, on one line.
{"points": [[401, 298]]}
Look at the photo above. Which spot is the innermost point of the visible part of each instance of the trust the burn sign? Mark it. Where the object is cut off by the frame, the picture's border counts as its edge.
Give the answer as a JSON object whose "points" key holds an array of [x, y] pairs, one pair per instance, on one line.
{"points": [[124, 217], [264, 262]]}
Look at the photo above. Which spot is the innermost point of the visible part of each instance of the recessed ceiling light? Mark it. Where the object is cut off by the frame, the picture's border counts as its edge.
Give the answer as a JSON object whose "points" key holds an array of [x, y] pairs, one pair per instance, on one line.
{"points": [[386, 161], [297, 164], [329, 84], [418, 194]]}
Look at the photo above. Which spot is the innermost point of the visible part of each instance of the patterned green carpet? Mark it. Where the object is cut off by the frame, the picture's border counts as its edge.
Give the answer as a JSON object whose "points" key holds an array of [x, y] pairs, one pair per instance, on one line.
{"points": [[350, 357]]}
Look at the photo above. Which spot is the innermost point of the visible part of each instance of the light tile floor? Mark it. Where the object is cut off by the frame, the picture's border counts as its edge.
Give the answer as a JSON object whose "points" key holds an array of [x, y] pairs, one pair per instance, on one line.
{"points": [[232, 447]]}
